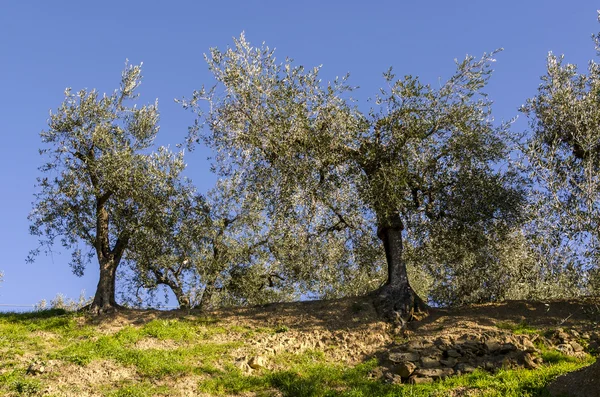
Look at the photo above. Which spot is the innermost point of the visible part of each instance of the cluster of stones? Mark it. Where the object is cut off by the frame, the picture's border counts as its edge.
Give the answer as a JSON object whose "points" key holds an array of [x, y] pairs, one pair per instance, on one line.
{"points": [[425, 360]]}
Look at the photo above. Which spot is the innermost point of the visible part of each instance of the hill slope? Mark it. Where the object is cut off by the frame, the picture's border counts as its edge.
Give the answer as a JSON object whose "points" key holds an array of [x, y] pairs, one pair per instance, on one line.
{"points": [[298, 349]]}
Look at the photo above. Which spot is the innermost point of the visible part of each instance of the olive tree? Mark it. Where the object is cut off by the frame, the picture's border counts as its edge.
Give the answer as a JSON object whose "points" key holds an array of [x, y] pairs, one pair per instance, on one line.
{"points": [[101, 185], [562, 156], [210, 251], [422, 158], [163, 252]]}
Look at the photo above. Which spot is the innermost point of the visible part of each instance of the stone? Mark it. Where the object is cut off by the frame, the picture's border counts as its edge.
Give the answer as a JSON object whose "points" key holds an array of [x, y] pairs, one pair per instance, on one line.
{"points": [[465, 368], [437, 373], [528, 345], [417, 380], [492, 345], [564, 348], [257, 362], [575, 333], [412, 345], [392, 378], [561, 335], [529, 361], [400, 357], [576, 346], [449, 362], [406, 369], [443, 343], [36, 368], [507, 348], [471, 345], [429, 362], [490, 366], [453, 353]]}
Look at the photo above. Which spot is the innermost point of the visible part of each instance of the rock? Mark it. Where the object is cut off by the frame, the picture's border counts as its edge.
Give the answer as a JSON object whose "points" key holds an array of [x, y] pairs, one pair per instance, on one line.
{"points": [[392, 378], [576, 346], [400, 357], [561, 335], [36, 369], [257, 362], [414, 345], [430, 362], [529, 361], [443, 343], [417, 380], [492, 345], [449, 362], [575, 333], [471, 345], [465, 368], [453, 353], [406, 369], [376, 373], [490, 365], [437, 373], [507, 348], [528, 345], [564, 348]]}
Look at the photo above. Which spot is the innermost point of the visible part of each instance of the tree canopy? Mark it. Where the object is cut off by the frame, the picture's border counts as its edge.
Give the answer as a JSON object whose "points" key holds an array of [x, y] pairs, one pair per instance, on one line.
{"points": [[562, 156], [102, 187], [421, 159]]}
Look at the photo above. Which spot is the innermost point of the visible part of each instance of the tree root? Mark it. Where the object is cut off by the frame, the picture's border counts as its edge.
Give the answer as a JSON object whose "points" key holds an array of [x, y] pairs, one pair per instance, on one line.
{"points": [[398, 305], [97, 310]]}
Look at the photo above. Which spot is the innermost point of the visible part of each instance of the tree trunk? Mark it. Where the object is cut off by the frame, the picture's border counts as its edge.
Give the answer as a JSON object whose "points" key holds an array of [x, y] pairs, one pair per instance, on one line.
{"points": [[396, 300], [182, 299], [104, 300], [208, 293]]}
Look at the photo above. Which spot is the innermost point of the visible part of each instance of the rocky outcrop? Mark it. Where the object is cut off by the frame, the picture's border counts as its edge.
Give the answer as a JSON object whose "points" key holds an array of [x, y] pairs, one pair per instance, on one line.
{"points": [[426, 360]]}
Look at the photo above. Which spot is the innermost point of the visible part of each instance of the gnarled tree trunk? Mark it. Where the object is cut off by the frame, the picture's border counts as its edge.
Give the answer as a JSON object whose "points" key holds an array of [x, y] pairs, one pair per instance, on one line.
{"points": [[104, 300], [109, 259], [183, 300], [209, 291], [395, 300]]}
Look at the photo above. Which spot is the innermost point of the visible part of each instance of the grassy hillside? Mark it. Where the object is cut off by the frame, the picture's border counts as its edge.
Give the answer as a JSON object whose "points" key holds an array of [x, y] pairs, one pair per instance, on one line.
{"points": [[334, 348]]}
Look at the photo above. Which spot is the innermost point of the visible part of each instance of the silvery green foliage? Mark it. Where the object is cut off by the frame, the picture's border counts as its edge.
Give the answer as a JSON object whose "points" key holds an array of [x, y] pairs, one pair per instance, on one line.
{"points": [[563, 159], [217, 253], [60, 301], [331, 173], [102, 187], [163, 252]]}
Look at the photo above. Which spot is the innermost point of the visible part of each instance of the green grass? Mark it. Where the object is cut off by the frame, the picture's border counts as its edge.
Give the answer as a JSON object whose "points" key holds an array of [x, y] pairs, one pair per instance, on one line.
{"points": [[521, 328], [148, 362], [131, 389], [17, 382]]}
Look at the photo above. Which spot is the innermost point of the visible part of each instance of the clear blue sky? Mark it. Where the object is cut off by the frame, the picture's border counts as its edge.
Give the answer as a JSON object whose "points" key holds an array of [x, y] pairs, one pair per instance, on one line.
{"points": [[47, 46]]}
